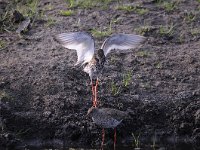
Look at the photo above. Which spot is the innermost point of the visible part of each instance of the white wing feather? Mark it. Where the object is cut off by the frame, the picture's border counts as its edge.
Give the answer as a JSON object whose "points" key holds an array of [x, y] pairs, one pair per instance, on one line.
{"points": [[82, 42], [121, 42]]}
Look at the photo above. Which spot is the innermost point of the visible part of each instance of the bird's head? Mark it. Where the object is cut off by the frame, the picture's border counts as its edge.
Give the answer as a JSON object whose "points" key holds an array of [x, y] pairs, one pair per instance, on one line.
{"points": [[100, 53]]}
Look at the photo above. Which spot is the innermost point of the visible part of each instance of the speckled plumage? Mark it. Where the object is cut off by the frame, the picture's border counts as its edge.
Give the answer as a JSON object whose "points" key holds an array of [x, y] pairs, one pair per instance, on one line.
{"points": [[107, 117], [93, 59], [95, 66]]}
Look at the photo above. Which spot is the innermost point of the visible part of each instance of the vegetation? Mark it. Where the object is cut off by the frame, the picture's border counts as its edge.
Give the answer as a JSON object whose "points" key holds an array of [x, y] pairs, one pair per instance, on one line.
{"points": [[127, 8], [127, 78], [154, 142], [195, 31], [143, 29], [29, 9], [158, 65], [2, 44], [142, 53], [126, 81], [115, 90], [99, 34], [166, 30], [66, 12], [42, 79], [189, 16], [136, 140], [169, 6], [141, 11], [87, 4], [50, 22], [136, 9], [4, 95]]}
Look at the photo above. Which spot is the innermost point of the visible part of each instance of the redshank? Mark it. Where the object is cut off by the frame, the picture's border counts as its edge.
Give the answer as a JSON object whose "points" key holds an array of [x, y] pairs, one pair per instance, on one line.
{"points": [[93, 60], [107, 118]]}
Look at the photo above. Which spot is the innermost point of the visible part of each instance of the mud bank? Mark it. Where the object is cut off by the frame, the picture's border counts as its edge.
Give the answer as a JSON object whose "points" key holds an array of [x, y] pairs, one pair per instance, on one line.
{"points": [[44, 97]]}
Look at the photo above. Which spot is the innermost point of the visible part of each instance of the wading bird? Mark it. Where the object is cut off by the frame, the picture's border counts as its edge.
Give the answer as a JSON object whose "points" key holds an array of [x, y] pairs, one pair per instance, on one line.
{"points": [[93, 60], [107, 118]]}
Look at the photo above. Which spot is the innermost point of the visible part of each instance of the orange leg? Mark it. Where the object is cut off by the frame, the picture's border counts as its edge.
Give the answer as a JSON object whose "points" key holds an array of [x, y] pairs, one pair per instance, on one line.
{"points": [[103, 137], [115, 138], [93, 95]]}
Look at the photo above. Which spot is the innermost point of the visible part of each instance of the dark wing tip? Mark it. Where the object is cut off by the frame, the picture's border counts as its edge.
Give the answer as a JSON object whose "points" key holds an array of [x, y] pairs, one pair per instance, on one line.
{"points": [[57, 39]]}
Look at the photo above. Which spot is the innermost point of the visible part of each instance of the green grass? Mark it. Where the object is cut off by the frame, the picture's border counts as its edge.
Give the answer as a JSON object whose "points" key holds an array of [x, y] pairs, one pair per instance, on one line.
{"points": [[66, 12], [169, 6], [126, 8], [154, 142], [195, 31], [142, 54], [5, 16], [136, 9], [50, 22], [22, 131], [167, 30], [87, 4], [72, 3], [4, 95], [181, 37], [136, 140], [29, 9], [142, 30], [99, 33], [6, 21], [115, 90], [2, 44], [189, 17], [141, 11], [127, 78], [158, 65], [48, 7]]}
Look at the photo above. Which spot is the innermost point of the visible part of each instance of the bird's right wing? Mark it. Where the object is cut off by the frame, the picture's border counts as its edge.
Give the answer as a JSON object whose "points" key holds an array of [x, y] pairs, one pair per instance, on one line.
{"points": [[82, 42]]}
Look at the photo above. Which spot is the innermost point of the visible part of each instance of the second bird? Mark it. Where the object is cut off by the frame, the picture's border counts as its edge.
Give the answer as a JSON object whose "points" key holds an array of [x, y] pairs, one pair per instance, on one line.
{"points": [[107, 118], [93, 60]]}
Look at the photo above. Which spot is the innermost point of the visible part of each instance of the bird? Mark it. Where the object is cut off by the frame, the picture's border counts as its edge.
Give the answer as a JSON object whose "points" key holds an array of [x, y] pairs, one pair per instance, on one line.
{"points": [[91, 59], [107, 118]]}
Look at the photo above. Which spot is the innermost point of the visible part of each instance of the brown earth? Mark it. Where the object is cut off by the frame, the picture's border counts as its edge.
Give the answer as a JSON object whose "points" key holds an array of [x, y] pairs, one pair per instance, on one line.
{"points": [[44, 98]]}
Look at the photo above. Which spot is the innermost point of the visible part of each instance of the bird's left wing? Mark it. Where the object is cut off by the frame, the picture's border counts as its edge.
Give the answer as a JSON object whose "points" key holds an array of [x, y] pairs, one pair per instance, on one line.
{"points": [[121, 42]]}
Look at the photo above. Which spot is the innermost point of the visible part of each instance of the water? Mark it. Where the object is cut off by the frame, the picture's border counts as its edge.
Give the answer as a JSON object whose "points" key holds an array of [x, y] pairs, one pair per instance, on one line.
{"points": [[178, 146], [60, 145]]}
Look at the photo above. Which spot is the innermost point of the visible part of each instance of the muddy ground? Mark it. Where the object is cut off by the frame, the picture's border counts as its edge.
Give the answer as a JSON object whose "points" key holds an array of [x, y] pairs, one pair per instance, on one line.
{"points": [[44, 98]]}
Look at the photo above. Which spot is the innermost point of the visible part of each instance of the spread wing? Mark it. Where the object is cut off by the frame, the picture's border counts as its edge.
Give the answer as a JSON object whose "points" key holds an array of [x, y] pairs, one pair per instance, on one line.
{"points": [[82, 42], [121, 42]]}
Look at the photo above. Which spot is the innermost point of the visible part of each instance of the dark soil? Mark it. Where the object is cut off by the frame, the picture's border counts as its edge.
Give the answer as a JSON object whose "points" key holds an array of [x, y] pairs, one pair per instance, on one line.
{"points": [[44, 98]]}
